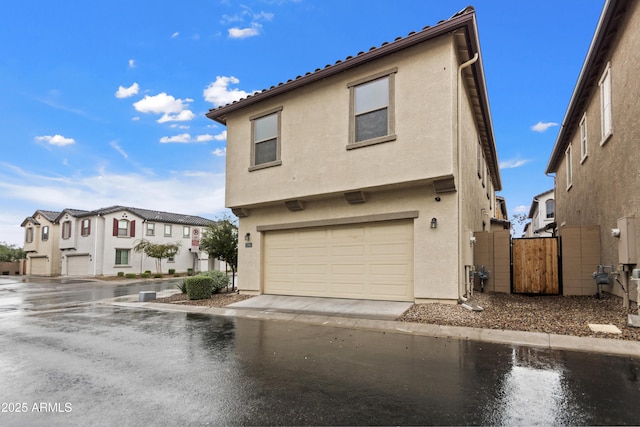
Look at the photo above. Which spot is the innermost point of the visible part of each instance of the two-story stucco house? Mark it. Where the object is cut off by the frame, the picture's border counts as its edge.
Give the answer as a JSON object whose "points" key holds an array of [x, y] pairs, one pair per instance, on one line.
{"points": [[101, 242], [367, 178], [596, 156], [41, 243], [542, 215]]}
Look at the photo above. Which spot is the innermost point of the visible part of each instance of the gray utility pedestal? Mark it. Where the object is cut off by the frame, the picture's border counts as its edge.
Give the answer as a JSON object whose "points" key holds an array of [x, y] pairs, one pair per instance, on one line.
{"points": [[146, 296]]}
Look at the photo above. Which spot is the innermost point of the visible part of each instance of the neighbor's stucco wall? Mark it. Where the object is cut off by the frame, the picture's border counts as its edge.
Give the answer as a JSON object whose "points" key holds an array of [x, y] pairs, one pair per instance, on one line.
{"points": [[315, 133], [40, 248], [605, 185]]}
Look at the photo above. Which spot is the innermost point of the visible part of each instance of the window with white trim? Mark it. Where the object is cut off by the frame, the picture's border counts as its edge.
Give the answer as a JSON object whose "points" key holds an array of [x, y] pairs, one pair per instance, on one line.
{"points": [[605, 104], [122, 256], [569, 160], [123, 228], [372, 112], [186, 231], [550, 208], [151, 229], [583, 138], [167, 230], [265, 139]]}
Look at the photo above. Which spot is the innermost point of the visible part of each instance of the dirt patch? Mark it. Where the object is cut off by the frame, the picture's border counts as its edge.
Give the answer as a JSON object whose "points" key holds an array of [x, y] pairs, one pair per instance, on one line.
{"points": [[220, 299]]}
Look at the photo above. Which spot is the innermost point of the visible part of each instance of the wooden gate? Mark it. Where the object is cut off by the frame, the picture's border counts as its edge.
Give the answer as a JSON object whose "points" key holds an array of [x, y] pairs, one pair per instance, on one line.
{"points": [[535, 264]]}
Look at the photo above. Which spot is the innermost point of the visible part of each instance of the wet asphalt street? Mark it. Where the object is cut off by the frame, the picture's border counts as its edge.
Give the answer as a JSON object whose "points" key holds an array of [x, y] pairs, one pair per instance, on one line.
{"points": [[66, 361]]}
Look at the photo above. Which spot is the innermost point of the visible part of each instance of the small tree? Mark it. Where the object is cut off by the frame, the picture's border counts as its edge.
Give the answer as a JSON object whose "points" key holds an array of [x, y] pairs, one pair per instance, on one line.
{"points": [[518, 219], [221, 241], [157, 251], [10, 253]]}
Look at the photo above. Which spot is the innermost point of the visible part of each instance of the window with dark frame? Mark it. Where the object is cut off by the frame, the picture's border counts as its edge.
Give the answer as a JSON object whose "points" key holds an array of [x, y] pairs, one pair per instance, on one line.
{"points": [[45, 233], [122, 256], [550, 207], [151, 229], [85, 227], [66, 230]]}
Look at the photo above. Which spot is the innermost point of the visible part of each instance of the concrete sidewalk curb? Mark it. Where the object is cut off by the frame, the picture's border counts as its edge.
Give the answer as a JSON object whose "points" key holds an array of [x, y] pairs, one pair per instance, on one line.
{"points": [[497, 336]]}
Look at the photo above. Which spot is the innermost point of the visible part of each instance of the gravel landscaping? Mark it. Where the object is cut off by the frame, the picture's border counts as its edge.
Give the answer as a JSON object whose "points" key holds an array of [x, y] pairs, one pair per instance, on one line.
{"points": [[564, 315]]}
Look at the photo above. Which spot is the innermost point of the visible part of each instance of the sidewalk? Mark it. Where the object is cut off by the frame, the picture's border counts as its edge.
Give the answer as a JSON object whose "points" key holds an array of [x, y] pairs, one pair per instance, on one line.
{"points": [[296, 310]]}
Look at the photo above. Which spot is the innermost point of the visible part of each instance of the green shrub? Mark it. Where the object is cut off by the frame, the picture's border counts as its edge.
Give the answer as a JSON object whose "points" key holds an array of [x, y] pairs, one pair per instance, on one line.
{"points": [[199, 287], [120, 273], [220, 279], [182, 286], [157, 276], [172, 271], [148, 271], [145, 275], [189, 271], [176, 275], [130, 275]]}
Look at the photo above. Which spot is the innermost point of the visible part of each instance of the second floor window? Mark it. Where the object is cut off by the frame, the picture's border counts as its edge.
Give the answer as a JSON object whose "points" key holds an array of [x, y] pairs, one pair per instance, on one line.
{"points": [[85, 227], [29, 235], [66, 230], [151, 229], [372, 109], [569, 162], [605, 104], [550, 207], [45, 233], [124, 228], [265, 139], [167, 230], [583, 138], [186, 231]]}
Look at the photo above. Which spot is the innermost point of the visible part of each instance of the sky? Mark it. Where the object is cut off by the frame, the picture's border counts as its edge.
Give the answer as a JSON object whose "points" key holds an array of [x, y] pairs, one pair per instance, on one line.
{"points": [[103, 103]]}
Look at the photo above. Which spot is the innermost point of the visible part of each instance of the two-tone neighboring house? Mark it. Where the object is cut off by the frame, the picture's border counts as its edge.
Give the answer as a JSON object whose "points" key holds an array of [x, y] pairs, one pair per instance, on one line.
{"points": [[596, 157], [367, 178], [102, 242], [41, 243], [542, 215]]}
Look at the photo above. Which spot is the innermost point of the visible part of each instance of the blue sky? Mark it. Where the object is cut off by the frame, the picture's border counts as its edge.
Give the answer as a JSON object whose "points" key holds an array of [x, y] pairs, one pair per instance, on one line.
{"points": [[103, 103]]}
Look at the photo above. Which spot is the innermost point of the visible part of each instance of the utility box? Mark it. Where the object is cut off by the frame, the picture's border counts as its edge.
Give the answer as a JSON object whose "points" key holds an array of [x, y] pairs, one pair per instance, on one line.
{"points": [[627, 241]]}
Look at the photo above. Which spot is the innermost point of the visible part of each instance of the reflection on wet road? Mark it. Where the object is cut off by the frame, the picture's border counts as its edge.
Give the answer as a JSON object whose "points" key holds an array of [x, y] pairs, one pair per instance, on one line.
{"points": [[140, 367]]}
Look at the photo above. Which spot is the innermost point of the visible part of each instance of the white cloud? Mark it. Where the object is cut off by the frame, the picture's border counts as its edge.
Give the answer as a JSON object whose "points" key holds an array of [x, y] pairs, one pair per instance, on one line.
{"points": [[57, 140], [116, 146], [174, 35], [184, 138], [243, 33], [521, 209], [183, 192], [218, 92], [219, 152], [512, 164], [222, 136], [541, 127], [126, 92], [264, 16], [172, 109], [132, 63]]}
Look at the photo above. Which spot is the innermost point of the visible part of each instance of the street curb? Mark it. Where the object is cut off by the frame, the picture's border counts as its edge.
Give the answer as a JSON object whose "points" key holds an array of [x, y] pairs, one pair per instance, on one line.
{"points": [[496, 336]]}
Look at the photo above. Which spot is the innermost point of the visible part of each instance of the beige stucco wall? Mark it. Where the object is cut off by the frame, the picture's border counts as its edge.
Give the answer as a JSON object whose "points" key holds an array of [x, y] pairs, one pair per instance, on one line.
{"points": [[606, 184], [315, 133], [435, 250], [48, 248]]}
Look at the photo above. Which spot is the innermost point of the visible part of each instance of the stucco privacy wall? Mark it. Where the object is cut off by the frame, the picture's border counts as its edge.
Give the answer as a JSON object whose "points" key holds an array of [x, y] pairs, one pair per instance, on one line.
{"points": [[320, 130], [610, 170], [435, 251]]}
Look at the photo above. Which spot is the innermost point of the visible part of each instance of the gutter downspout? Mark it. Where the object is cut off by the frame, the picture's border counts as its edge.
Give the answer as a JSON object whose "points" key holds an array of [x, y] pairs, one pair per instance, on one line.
{"points": [[459, 162]]}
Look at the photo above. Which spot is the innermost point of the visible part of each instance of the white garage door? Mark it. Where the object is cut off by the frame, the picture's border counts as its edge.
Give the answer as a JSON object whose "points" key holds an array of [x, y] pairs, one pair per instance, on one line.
{"points": [[39, 266], [78, 265], [364, 261]]}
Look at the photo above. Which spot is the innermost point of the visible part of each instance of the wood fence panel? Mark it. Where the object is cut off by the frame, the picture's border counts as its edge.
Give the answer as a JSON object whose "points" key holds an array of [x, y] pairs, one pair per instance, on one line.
{"points": [[535, 266]]}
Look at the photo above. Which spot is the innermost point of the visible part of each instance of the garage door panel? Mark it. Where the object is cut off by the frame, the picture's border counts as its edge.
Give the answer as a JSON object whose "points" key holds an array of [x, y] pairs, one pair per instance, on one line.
{"points": [[39, 266], [77, 265], [366, 261]]}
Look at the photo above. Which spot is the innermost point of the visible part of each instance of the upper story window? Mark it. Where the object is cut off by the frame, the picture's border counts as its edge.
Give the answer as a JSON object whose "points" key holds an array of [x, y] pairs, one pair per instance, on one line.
{"points": [[85, 227], [151, 229], [167, 230], [550, 207], [124, 228], [479, 157], [583, 138], [265, 139], [569, 161], [372, 112], [45, 233], [186, 231], [29, 235], [66, 230], [605, 104]]}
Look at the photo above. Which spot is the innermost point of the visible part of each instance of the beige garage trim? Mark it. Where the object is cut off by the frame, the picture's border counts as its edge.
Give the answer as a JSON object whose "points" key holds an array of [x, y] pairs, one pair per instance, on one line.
{"points": [[363, 261], [39, 266], [77, 265]]}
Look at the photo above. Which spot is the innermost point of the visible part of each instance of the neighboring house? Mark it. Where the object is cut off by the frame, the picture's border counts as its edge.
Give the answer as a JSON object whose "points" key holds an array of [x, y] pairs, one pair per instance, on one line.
{"points": [[101, 242], [542, 215], [41, 243], [500, 220], [596, 156], [367, 178]]}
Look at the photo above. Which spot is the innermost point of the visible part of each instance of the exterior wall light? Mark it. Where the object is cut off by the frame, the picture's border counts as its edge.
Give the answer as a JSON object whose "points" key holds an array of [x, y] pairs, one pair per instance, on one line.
{"points": [[434, 223], [247, 237]]}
